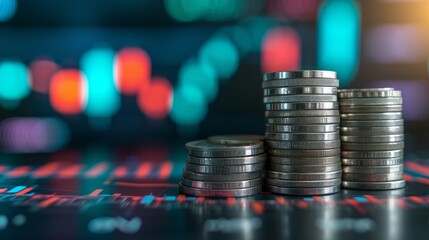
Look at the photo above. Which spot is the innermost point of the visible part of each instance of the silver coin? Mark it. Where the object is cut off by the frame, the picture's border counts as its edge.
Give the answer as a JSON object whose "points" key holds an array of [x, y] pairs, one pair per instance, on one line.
{"points": [[322, 128], [304, 145], [238, 192], [300, 90], [304, 161], [304, 153], [371, 131], [303, 136], [300, 98], [222, 185], [220, 177], [300, 74], [232, 138], [374, 185], [214, 169], [375, 123], [302, 113], [363, 93], [304, 120], [303, 191], [372, 146], [304, 168], [365, 89], [371, 116], [392, 193], [302, 106], [303, 176], [371, 177], [370, 101], [204, 148], [372, 154], [373, 139], [372, 161], [302, 184], [373, 169], [228, 161], [372, 109]]}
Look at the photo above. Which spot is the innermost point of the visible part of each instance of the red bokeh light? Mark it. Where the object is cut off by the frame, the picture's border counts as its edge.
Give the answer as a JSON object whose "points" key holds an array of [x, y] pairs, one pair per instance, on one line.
{"points": [[132, 70], [281, 50], [155, 100], [41, 74]]}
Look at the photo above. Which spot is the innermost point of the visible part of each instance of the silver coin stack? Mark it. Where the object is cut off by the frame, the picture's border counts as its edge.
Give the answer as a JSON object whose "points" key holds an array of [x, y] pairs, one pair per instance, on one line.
{"points": [[372, 138], [223, 167], [302, 132]]}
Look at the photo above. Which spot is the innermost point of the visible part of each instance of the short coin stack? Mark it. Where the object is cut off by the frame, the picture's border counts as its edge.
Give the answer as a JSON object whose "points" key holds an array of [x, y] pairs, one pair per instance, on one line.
{"points": [[372, 138], [302, 132], [223, 168]]}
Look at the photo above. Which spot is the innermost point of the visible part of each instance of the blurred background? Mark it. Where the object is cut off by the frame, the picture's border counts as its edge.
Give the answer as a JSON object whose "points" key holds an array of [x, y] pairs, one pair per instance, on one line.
{"points": [[135, 72]]}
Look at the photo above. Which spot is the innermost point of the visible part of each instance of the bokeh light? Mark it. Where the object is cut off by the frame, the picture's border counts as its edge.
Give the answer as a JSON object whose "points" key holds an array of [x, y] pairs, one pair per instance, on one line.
{"points": [[281, 50], [210, 10], [414, 93], [222, 55], [33, 134], [132, 70], [155, 100], [258, 28], [397, 43], [7, 9], [338, 38], [303, 10], [14, 81], [200, 75], [67, 91], [239, 37], [102, 96], [41, 73], [189, 106]]}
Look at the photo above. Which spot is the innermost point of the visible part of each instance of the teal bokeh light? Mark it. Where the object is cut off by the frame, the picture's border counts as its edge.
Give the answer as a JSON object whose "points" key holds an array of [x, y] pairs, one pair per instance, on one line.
{"points": [[14, 81], [211, 10], [7, 9], [338, 38], [222, 55], [102, 97], [189, 106], [186, 10], [201, 76]]}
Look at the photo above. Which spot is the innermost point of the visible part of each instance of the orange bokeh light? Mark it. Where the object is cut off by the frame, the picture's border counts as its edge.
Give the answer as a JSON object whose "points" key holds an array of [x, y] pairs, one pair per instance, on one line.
{"points": [[155, 100], [132, 70], [66, 91]]}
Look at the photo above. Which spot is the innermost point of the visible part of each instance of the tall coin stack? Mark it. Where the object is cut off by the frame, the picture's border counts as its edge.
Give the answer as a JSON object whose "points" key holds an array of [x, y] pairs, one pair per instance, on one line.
{"points": [[223, 167], [372, 136], [302, 132]]}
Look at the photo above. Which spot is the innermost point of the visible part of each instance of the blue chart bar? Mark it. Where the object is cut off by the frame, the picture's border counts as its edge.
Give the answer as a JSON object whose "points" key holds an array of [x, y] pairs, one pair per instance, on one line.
{"points": [[16, 189], [308, 199], [170, 198], [147, 199], [361, 199]]}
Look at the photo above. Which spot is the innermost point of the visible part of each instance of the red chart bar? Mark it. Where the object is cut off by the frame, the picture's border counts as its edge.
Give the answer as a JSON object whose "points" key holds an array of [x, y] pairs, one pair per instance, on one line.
{"points": [[70, 171], [95, 192], [48, 202], [26, 190], [165, 170], [143, 170], [20, 171], [96, 170], [46, 170]]}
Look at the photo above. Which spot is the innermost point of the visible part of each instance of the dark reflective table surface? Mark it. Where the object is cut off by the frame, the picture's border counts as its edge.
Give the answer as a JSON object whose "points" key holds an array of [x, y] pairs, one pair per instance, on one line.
{"points": [[133, 194]]}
